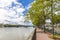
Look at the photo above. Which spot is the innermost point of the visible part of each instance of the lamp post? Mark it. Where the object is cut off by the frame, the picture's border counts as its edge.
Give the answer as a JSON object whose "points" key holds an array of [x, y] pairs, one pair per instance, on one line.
{"points": [[52, 16], [43, 14]]}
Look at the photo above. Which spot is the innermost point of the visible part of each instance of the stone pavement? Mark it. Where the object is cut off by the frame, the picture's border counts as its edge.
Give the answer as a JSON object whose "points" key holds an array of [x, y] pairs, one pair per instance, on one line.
{"points": [[40, 35]]}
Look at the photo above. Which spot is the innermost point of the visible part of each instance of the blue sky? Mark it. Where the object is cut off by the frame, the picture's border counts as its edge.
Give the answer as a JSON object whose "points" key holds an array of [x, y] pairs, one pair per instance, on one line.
{"points": [[13, 10], [25, 2]]}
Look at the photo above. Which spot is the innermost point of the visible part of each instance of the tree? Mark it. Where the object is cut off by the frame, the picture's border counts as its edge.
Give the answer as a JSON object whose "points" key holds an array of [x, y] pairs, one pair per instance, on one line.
{"points": [[38, 12], [56, 19], [41, 10]]}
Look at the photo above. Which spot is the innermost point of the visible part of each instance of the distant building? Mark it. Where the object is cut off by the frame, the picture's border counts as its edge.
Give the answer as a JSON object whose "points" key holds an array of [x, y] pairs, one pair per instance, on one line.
{"points": [[48, 23]]}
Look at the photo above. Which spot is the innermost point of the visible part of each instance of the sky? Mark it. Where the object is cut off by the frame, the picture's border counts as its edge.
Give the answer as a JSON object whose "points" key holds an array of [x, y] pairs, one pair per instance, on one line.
{"points": [[12, 11]]}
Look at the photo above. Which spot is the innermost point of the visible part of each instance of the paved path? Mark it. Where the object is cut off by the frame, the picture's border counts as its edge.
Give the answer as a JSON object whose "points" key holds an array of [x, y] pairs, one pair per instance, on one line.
{"points": [[40, 35]]}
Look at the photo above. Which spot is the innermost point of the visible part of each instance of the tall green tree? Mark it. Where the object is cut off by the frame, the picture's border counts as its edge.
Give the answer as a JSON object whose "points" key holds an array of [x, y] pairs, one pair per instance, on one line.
{"points": [[54, 9], [39, 12]]}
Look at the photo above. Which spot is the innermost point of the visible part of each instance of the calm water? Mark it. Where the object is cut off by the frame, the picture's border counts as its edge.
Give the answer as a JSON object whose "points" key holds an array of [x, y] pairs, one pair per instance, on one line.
{"points": [[13, 33]]}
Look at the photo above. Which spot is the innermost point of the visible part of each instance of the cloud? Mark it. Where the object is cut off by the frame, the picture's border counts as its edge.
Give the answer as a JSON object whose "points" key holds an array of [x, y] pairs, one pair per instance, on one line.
{"points": [[11, 12], [2, 15], [4, 3]]}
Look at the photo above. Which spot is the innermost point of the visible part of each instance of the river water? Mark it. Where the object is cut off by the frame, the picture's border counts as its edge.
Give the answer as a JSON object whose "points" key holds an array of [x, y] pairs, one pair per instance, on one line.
{"points": [[15, 33]]}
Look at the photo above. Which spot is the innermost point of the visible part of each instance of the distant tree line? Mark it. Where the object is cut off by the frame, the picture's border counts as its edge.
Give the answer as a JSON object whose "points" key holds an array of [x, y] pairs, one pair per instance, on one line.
{"points": [[13, 25]]}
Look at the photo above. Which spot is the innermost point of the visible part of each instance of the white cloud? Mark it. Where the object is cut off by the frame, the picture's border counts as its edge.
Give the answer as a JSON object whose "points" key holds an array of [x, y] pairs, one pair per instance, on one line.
{"points": [[2, 15], [4, 3], [20, 10], [6, 13], [11, 14]]}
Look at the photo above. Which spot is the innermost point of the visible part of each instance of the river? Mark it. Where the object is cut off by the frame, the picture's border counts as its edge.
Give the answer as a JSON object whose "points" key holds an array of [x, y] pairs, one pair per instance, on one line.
{"points": [[16, 33]]}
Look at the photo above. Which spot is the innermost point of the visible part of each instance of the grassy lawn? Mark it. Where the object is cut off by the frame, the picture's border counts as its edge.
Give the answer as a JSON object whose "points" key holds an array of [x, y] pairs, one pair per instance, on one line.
{"points": [[55, 36]]}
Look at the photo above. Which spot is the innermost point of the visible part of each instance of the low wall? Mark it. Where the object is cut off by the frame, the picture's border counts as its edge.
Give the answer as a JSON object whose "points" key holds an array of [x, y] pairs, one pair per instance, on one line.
{"points": [[34, 35]]}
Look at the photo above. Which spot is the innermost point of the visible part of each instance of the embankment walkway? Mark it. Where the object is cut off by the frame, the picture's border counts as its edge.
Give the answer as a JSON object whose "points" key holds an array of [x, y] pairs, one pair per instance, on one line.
{"points": [[40, 35]]}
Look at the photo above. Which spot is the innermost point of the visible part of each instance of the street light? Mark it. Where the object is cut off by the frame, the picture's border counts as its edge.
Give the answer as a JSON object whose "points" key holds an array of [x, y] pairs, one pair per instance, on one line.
{"points": [[52, 15]]}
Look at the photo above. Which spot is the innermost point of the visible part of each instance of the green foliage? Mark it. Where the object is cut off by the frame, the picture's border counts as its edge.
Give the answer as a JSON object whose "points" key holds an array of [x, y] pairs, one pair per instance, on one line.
{"points": [[41, 10], [37, 13], [56, 19]]}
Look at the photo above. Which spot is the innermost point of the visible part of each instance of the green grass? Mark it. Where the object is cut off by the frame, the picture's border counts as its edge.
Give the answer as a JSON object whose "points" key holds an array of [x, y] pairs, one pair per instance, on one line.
{"points": [[55, 36]]}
